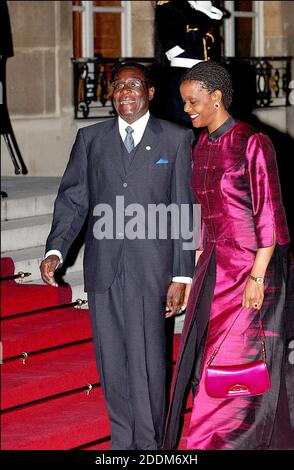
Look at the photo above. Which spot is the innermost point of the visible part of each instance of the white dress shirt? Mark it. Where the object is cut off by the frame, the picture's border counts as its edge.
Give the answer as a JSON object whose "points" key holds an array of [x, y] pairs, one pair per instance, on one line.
{"points": [[139, 127]]}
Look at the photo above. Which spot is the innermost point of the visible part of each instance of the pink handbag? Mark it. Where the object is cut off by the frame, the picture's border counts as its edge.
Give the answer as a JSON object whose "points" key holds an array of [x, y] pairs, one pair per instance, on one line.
{"points": [[241, 380]]}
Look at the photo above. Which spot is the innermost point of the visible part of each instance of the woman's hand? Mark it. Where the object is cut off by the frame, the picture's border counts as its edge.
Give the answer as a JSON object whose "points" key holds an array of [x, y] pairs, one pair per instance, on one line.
{"points": [[253, 295]]}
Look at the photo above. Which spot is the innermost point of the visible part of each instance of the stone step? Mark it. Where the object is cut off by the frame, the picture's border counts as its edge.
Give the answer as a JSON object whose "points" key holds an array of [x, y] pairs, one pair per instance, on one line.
{"points": [[76, 282], [29, 259], [179, 323], [25, 232], [12, 209], [28, 196]]}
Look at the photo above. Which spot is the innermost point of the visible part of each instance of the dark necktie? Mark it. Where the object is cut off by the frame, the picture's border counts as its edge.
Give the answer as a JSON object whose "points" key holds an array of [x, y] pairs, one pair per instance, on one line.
{"points": [[129, 141]]}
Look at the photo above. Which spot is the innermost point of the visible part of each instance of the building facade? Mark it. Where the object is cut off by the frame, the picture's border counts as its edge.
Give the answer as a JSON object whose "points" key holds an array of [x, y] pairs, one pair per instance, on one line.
{"points": [[47, 34]]}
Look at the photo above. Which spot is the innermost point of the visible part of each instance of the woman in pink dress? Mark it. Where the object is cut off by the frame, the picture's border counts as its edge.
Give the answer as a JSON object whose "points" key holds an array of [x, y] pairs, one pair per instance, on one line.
{"points": [[240, 271]]}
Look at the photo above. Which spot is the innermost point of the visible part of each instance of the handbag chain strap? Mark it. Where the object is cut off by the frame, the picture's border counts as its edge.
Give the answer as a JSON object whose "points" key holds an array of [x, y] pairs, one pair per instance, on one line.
{"points": [[259, 334]]}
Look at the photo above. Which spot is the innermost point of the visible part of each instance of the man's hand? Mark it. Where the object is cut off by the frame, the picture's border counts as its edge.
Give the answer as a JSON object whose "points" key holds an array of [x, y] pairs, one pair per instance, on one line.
{"points": [[175, 298], [47, 268]]}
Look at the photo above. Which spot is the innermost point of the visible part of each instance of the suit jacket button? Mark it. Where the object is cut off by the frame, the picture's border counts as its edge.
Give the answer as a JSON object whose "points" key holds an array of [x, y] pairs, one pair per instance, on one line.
{"points": [[125, 185]]}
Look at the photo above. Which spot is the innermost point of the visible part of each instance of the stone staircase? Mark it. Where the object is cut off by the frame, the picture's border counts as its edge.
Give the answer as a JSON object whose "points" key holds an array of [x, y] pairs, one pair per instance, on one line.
{"points": [[26, 217]]}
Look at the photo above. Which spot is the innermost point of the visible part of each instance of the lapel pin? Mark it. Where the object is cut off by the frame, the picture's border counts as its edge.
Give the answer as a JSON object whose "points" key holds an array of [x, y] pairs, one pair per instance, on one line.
{"points": [[148, 147]]}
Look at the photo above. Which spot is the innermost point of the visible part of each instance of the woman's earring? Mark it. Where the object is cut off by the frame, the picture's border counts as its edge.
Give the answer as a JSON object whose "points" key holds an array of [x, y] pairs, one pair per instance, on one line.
{"points": [[216, 105]]}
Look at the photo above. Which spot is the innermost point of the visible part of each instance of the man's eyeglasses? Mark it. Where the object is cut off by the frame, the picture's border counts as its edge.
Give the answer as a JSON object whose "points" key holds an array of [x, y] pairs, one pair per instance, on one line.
{"points": [[130, 84]]}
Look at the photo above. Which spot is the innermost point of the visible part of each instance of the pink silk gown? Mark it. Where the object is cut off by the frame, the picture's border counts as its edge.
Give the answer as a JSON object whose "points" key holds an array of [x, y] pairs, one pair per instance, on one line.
{"points": [[235, 179]]}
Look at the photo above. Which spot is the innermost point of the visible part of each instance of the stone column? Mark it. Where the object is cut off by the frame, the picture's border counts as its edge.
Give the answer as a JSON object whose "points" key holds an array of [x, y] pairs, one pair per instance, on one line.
{"points": [[39, 84], [143, 28]]}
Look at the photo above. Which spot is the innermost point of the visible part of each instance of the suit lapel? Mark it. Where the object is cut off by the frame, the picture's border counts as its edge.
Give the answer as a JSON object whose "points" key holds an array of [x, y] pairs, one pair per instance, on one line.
{"points": [[144, 153], [112, 144]]}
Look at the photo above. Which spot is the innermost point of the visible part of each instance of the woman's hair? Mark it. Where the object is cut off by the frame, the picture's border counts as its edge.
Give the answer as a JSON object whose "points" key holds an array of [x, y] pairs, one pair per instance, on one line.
{"points": [[212, 77]]}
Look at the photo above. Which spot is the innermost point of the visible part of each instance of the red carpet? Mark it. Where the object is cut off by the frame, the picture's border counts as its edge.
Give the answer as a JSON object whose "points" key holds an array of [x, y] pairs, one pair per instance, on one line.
{"points": [[19, 298], [48, 371], [44, 402], [60, 423], [44, 330], [6, 267]]}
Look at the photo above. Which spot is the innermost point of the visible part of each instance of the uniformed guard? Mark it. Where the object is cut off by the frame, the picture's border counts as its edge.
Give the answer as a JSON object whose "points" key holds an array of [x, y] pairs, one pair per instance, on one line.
{"points": [[187, 32]]}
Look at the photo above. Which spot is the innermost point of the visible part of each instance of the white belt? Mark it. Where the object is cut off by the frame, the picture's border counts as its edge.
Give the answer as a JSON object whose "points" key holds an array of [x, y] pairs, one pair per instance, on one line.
{"points": [[174, 52], [183, 62]]}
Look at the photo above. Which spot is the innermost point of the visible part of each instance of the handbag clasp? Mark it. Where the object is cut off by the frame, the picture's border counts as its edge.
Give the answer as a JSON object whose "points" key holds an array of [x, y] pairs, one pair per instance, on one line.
{"points": [[238, 388]]}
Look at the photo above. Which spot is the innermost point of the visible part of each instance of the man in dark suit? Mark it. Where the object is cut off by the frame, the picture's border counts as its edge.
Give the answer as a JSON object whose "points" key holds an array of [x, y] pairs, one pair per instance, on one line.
{"points": [[133, 280]]}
